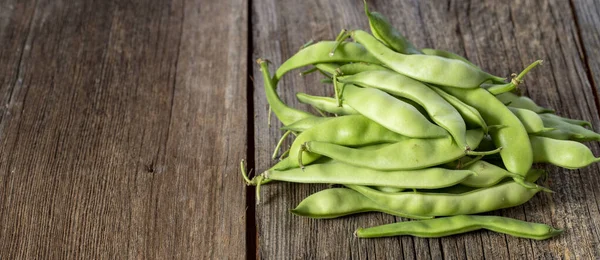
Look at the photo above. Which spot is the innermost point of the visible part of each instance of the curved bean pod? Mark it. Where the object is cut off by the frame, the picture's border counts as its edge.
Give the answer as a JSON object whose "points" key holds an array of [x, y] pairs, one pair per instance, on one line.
{"points": [[338, 202], [567, 129], [448, 55], [512, 100], [286, 114], [341, 173], [399, 116], [439, 110], [487, 174], [383, 30], [530, 120], [504, 195], [426, 68], [327, 68], [441, 227], [512, 137], [566, 154], [305, 124], [353, 130], [559, 134], [355, 68], [326, 104], [567, 120], [489, 178], [408, 154], [319, 53], [469, 114]]}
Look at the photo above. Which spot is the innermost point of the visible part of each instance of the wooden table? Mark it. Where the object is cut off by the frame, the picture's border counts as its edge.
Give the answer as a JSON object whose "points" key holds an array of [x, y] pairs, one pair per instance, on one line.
{"points": [[122, 125]]}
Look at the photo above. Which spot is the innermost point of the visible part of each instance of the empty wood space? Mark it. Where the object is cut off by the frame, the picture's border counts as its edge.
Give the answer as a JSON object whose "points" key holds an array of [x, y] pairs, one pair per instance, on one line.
{"points": [[123, 124]]}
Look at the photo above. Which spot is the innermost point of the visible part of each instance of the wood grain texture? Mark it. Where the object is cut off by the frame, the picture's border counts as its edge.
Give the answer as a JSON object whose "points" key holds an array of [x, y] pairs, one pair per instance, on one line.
{"points": [[502, 37], [112, 141], [587, 13]]}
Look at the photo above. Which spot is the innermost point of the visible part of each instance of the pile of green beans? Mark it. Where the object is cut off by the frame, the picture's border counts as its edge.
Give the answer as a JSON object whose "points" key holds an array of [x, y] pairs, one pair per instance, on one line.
{"points": [[418, 133]]}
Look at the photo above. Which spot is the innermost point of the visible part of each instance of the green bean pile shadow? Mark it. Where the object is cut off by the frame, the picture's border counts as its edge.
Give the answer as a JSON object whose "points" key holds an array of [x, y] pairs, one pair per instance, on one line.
{"points": [[453, 141]]}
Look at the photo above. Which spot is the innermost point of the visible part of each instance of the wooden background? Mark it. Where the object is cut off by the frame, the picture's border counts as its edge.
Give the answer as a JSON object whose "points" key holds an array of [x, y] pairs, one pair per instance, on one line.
{"points": [[122, 125]]}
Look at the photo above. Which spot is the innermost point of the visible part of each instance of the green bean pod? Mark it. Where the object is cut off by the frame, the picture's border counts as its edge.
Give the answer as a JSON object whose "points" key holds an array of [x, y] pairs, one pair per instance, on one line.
{"points": [[566, 154], [438, 109], [487, 177], [559, 134], [582, 123], [487, 174], [447, 226], [338, 202], [448, 55], [471, 116], [512, 137], [341, 173], [326, 104], [566, 130], [320, 53], [284, 113], [329, 69], [531, 121], [503, 195], [358, 67], [392, 113], [408, 154], [383, 30], [305, 124], [353, 130], [513, 100], [425, 68]]}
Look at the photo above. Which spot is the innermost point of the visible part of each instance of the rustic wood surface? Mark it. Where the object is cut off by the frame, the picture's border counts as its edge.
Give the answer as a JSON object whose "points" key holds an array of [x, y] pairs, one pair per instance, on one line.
{"points": [[122, 125], [121, 130]]}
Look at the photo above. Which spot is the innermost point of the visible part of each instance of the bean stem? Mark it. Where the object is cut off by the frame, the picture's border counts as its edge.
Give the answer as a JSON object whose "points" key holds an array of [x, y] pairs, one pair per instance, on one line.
{"points": [[278, 147]]}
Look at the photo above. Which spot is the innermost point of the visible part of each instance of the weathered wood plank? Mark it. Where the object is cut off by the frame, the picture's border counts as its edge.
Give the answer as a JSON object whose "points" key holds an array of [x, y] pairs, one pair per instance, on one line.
{"points": [[502, 38], [112, 140], [587, 13]]}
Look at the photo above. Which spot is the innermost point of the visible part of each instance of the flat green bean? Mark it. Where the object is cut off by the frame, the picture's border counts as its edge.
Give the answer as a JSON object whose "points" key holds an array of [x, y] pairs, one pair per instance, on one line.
{"points": [[338, 202], [328, 68], [386, 33], [390, 112], [358, 67], [471, 116], [447, 54], [441, 227], [489, 177], [566, 130], [408, 154], [512, 137], [566, 154], [513, 100], [426, 68], [341, 173], [504, 195], [531, 121], [487, 174], [438, 109], [352, 130], [567, 120], [286, 114], [319, 53], [305, 124], [326, 104]]}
